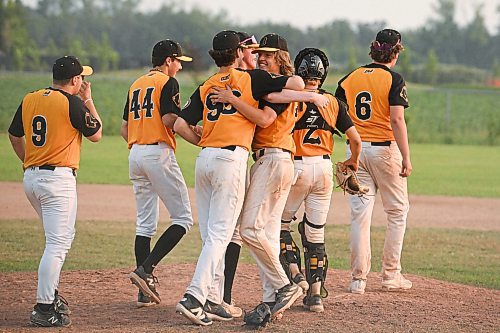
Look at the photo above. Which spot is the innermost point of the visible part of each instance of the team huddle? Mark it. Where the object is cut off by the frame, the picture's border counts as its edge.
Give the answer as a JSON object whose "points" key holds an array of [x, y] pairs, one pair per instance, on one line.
{"points": [[258, 104]]}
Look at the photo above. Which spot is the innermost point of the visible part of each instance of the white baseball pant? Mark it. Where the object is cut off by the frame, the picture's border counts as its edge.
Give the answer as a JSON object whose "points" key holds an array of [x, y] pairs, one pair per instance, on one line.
{"points": [[379, 168], [270, 181], [313, 185], [220, 190], [53, 196], [154, 172]]}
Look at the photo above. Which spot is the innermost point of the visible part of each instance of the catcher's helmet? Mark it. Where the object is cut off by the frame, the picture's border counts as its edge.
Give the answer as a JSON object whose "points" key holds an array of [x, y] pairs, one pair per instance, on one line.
{"points": [[311, 63]]}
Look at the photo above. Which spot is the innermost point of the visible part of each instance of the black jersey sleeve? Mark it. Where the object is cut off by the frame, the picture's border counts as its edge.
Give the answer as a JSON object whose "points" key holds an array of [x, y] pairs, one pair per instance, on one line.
{"points": [[81, 118], [279, 108], [126, 108], [16, 126], [398, 94], [170, 98], [192, 112], [264, 83], [344, 122]]}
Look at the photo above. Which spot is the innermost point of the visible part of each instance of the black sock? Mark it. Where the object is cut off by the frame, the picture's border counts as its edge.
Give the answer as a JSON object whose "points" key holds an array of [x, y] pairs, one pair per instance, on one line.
{"points": [[165, 244], [44, 307], [231, 262], [142, 249]]}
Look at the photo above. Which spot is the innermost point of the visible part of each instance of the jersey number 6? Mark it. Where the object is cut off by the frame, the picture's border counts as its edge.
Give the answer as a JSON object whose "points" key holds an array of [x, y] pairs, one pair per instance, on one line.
{"points": [[363, 106]]}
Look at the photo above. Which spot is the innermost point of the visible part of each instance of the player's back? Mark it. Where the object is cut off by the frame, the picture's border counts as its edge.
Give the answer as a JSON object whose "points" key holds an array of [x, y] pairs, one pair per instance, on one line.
{"points": [[51, 138], [222, 124], [313, 132], [145, 125], [367, 92]]}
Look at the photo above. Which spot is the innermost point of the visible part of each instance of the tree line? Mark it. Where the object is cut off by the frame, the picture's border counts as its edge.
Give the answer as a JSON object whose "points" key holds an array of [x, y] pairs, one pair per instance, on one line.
{"points": [[114, 34]]}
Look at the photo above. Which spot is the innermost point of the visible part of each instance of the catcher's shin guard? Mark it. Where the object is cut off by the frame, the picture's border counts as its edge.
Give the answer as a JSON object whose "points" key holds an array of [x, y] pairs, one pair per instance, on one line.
{"points": [[315, 258], [289, 252]]}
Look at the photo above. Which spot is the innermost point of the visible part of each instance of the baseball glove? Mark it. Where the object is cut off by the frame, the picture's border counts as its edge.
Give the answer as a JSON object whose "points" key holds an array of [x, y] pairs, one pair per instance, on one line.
{"points": [[258, 317], [348, 181]]}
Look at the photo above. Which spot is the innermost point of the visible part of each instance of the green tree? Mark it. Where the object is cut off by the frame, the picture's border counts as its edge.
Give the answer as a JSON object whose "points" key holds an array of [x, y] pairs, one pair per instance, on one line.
{"points": [[404, 62], [353, 59], [431, 67]]}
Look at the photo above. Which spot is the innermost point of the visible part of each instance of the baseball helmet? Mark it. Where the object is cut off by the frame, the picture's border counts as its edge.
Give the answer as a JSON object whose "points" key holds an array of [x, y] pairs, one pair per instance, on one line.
{"points": [[311, 63]]}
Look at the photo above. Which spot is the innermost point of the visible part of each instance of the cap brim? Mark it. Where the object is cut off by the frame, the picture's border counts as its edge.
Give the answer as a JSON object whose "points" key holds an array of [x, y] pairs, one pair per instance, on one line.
{"points": [[184, 58], [249, 46], [87, 70], [265, 49]]}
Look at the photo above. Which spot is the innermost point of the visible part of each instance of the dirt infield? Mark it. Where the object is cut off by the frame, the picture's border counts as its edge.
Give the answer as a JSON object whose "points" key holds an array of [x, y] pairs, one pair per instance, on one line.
{"points": [[104, 301]]}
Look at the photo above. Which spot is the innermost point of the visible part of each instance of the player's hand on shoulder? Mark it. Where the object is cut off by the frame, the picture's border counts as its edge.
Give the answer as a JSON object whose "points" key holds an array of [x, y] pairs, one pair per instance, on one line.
{"points": [[221, 95], [320, 100]]}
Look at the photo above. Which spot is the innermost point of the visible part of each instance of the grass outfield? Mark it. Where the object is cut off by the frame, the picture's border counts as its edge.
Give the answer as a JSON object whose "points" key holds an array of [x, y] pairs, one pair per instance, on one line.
{"points": [[453, 170], [436, 115], [453, 255]]}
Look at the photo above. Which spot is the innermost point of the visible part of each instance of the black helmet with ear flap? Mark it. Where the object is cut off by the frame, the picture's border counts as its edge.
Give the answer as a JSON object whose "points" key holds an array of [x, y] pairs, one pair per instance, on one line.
{"points": [[311, 63]]}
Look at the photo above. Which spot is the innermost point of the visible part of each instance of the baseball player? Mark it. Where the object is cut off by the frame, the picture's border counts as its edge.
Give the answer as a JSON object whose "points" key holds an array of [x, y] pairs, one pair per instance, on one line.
{"points": [[151, 109], [221, 165], [377, 97], [313, 176], [247, 62], [270, 180], [46, 134]]}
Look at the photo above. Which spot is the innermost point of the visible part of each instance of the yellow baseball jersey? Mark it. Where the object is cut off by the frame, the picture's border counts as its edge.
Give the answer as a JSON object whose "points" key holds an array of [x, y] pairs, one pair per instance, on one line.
{"points": [[369, 92], [222, 124], [149, 98], [313, 132], [279, 133], [53, 122]]}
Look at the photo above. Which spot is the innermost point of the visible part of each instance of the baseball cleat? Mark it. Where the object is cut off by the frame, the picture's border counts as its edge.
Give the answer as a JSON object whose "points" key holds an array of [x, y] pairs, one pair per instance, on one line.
{"points": [[50, 318], [234, 310], [357, 286], [300, 280], [313, 303], [61, 304], [398, 283], [216, 311], [144, 300], [146, 283], [285, 297], [191, 308]]}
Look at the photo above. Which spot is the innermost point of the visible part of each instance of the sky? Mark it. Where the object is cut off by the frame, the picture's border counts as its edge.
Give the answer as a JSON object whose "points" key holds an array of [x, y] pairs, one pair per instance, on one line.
{"points": [[399, 14]]}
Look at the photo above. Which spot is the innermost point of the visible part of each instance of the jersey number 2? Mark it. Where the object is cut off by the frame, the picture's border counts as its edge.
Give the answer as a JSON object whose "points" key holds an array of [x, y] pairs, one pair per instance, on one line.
{"points": [[147, 103], [39, 126], [309, 140], [363, 106]]}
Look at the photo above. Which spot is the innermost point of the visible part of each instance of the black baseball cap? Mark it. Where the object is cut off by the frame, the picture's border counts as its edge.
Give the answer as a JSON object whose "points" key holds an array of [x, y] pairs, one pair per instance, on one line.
{"points": [[226, 40], [169, 48], [247, 41], [272, 43], [69, 66], [389, 36]]}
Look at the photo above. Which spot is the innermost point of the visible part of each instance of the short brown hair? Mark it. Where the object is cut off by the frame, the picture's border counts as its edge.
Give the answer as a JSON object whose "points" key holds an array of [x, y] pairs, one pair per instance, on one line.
{"points": [[384, 53], [224, 58], [63, 82]]}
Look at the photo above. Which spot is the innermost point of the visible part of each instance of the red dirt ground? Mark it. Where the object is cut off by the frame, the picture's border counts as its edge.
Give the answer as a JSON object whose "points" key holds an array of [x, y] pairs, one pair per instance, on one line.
{"points": [[104, 300]]}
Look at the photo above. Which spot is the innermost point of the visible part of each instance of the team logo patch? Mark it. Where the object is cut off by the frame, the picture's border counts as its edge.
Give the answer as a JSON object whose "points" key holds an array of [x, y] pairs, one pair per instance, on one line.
{"points": [[225, 78], [368, 71], [404, 94], [90, 120], [177, 100], [46, 93], [188, 102]]}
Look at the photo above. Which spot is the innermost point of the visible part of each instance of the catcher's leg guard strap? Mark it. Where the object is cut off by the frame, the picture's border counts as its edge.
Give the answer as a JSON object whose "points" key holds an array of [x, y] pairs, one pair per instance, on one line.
{"points": [[289, 252]]}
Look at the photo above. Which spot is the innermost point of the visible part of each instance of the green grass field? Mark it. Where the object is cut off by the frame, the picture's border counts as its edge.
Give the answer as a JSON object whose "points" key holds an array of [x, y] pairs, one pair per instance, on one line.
{"points": [[454, 170], [452, 255], [436, 115]]}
